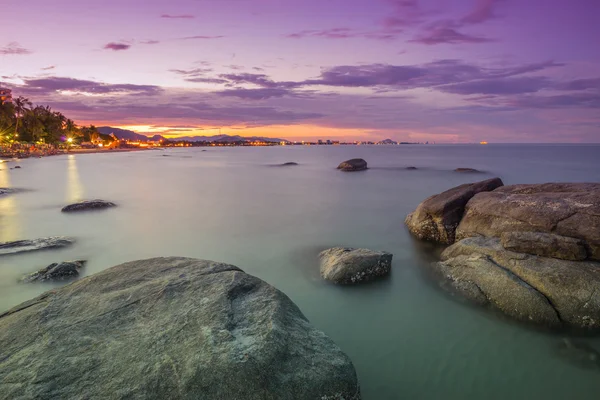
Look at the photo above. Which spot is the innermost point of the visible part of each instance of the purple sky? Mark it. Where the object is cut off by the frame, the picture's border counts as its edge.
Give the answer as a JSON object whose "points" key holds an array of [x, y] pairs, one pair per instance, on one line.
{"points": [[416, 70]]}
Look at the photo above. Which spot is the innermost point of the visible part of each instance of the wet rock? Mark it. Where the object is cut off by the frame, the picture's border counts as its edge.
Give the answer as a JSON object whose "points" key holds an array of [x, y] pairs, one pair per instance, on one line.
{"points": [[355, 164], [169, 328], [21, 246], [545, 291], [545, 245], [579, 354], [349, 266], [88, 205], [56, 272], [565, 209], [7, 191], [17, 167], [437, 217], [411, 168], [289, 164], [466, 170]]}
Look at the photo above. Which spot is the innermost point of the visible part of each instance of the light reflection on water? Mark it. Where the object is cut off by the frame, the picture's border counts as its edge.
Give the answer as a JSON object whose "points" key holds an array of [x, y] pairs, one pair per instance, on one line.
{"points": [[9, 210], [406, 338]]}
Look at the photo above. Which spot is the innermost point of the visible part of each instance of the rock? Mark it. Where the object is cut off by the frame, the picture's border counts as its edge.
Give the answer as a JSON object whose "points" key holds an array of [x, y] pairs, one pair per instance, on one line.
{"points": [[287, 164], [437, 217], [21, 246], [579, 353], [56, 272], [6, 191], [565, 209], [169, 328], [17, 167], [88, 205], [348, 266], [466, 170], [545, 291], [411, 168], [356, 164], [545, 245]]}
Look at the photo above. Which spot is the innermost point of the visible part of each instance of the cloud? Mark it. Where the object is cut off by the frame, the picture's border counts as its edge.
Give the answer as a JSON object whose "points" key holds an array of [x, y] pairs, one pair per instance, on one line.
{"points": [[117, 46], [502, 86], [46, 86], [201, 37], [48, 68], [207, 80], [14, 48], [254, 94], [182, 16], [192, 72], [580, 84], [150, 42], [575, 100], [483, 11], [345, 33], [448, 35]]}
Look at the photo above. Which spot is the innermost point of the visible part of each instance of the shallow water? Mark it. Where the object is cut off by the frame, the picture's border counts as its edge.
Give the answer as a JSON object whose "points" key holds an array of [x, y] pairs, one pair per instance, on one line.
{"points": [[406, 338]]}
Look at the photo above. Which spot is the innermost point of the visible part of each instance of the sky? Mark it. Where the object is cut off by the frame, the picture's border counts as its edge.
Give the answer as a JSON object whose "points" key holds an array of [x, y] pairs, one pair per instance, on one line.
{"points": [[444, 71]]}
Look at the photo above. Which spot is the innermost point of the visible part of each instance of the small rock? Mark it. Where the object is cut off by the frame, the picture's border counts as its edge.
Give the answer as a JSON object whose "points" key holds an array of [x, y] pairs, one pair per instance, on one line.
{"points": [[88, 205], [17, 166], [56, 272], [356, 164], [411, 168], [348, 266], [21, 246]]}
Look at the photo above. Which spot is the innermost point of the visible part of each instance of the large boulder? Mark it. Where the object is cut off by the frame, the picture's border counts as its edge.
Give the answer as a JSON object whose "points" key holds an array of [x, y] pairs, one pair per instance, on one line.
{"points": [[356, 164], [348, 266], [88, 205], [545, 245], [437, 217], [169, 328], [21, 246], [545, 291], [56, 272], [565, 209]]}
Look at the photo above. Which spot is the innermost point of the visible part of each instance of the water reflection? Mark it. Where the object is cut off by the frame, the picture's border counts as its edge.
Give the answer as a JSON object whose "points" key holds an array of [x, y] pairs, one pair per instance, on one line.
{"points": [[10, 224], [75, 190]]}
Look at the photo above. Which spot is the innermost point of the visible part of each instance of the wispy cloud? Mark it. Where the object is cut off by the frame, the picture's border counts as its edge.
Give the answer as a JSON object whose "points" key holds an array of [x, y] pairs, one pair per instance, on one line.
{"points": [[448, 35], [117, 46], [48, 67], [150, 42], [46, 86], [346, 33], [201, 37], [181, 16], [14, 48]]}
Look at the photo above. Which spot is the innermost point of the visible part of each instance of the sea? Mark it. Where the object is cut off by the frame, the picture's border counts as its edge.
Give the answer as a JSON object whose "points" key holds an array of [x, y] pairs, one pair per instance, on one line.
{"points": [[407, 338]]}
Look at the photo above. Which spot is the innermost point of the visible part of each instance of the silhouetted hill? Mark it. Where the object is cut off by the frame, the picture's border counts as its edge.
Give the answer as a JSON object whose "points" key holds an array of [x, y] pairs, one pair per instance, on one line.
{"points": [[131, 135]]}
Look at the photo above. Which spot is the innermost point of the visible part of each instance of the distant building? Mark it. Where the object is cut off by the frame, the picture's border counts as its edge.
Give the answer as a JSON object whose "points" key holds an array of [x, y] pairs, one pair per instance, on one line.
{"points": [[5, 95]]}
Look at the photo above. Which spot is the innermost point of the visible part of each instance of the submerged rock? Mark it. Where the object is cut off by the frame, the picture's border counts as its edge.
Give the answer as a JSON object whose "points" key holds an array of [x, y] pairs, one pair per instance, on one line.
{"points": [[545, 291], [17, 167], [579, 353], [565, 209], [545, 245], [56, 272], [466, 170], [21, 246], [411, 168], [7, 191], [88, 205], [348, 266], [437, 217], [356, 164], [169, 328], [289, 164]]}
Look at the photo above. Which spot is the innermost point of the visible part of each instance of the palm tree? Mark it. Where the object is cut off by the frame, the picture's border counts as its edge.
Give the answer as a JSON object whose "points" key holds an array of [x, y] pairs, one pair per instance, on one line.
{"points": [[21, 105]]}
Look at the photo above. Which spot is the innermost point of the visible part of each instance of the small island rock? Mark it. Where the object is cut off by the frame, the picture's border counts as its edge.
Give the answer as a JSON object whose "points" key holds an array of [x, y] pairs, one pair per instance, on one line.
{"points": [[355, 164], [437, 217], [88, 205], [169, 328], [56, 272], [21, 246], [349, 266]]}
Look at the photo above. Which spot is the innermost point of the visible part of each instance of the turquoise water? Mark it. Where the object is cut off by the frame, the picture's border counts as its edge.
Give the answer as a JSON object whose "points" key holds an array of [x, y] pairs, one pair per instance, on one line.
{"points": [[406, 338]]}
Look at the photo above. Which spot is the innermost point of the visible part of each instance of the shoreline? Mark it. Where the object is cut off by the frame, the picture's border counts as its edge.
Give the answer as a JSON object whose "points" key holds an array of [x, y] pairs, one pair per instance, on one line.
{"points": [[74, 151]]}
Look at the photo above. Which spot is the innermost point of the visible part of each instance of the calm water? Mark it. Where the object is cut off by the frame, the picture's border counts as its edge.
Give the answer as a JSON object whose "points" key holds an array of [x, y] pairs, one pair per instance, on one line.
{"points": [[406, 338]]}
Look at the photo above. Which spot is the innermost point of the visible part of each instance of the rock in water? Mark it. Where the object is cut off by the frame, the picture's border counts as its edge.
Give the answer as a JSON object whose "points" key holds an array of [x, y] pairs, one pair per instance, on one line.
{"points": [[348, 266], [88, 205], [466, 170], [545, 245], [21, 246], [580, 354], [545, 291], [356, 164], [169, 328], [56, 272], [566, 209], [437, 217], [289, 164]]}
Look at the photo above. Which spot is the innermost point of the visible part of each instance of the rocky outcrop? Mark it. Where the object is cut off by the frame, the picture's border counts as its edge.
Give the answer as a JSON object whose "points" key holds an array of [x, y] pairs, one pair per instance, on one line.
{"points": [[565, 209], [545, 291], [349, 266], [169, 328], [56, 272], [356, 164], [545, 245], [88, 205], [437, 217], [21, 246], [7, 191]]}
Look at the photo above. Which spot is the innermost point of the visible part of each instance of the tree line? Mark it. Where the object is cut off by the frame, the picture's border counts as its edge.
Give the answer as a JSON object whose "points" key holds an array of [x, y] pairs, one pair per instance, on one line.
{"points": [[21, 121]]}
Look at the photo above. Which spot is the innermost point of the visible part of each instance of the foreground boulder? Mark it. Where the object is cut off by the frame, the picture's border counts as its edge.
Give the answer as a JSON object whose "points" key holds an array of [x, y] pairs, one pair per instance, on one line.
{"points": [[356, 164], [348, 266], [88, 205], [566, 209], [545, 245], [437, 217], [169, 328], [21, 246], [56, 272], [545, 291]]}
